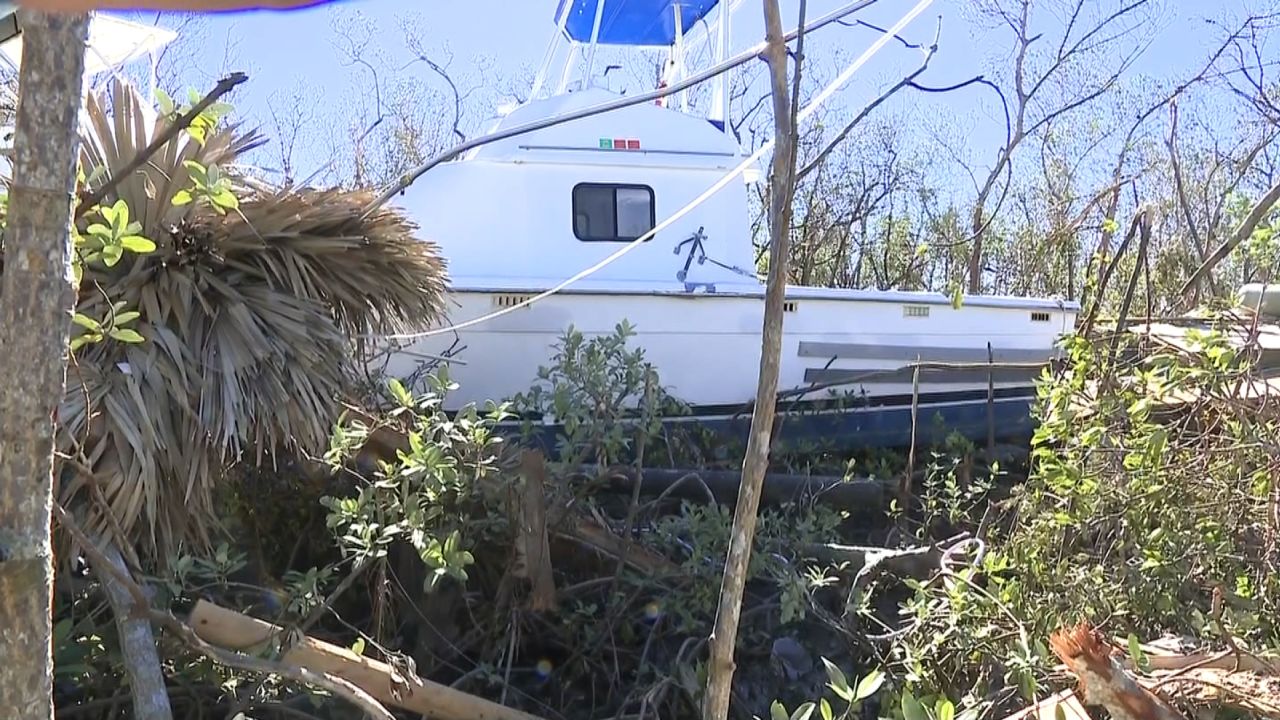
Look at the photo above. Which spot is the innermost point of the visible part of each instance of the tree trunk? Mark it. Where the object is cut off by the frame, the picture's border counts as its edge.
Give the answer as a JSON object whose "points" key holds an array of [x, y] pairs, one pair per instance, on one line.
{"points": [[36, 301], [724, 636]]}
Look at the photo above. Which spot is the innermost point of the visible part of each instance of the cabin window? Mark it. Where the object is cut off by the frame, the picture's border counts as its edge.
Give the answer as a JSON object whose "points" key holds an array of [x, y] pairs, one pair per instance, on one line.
{"points": [[612, 213]]}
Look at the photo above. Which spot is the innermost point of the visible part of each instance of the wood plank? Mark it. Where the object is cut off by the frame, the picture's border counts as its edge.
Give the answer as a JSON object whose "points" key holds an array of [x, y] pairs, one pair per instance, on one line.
{"points": [[1047, 709]]}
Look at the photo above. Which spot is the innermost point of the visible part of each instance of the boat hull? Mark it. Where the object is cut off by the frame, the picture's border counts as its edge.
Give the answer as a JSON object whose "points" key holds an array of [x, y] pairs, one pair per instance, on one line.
{"points": [[1005, 418], [706, 350]]}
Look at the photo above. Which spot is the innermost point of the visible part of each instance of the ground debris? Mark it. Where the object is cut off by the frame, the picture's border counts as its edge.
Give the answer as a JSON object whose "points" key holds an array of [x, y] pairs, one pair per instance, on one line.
{"points": [[1193, 680]]}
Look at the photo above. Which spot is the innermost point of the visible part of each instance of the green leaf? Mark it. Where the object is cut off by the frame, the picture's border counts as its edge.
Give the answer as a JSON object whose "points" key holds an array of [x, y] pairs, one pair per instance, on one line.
{"points": [[165, 102], [111, 255], [137, 243], [957, 297], [79, 342], [125, 318], [182, 197], [911, 707], [777, 711], [120, 216], [399, 392], [197, 171], [86, 322], [1110, 226], [838, 683], [126, 335], [225, 199], [804, 712], [1135, 652], [944, 710], [358, 646], [870, 684], [824, 708]]}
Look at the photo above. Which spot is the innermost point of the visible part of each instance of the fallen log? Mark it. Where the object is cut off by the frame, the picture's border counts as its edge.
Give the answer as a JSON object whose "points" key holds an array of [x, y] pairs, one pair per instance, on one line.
{"points": [[231, 630], [779, 488], [591, 533]]}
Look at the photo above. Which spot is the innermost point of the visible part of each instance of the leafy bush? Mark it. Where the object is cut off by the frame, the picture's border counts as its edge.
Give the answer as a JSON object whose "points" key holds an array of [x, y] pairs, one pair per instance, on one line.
{"points": [[422, 497], [1146, 513]]}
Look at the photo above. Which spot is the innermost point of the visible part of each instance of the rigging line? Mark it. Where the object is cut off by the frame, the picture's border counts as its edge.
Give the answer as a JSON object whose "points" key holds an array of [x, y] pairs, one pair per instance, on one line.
{"points": [[741, 58], [809, 109]]}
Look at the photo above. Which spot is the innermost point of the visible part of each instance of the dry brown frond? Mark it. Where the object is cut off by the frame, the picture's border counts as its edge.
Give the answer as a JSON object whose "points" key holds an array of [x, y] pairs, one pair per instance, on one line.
{"points": [[249, 320]]}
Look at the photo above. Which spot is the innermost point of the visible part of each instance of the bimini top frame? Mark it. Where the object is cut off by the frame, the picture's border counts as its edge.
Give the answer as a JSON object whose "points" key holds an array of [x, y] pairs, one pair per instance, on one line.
{"points": [[676, 26]]}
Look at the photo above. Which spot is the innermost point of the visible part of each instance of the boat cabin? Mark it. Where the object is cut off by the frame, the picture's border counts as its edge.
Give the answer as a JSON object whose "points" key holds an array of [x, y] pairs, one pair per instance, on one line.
{"points": [[529, 211]]}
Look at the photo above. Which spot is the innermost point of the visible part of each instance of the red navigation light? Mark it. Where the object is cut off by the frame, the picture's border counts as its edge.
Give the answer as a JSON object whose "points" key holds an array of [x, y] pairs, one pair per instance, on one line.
{"points": [[633, 144]]}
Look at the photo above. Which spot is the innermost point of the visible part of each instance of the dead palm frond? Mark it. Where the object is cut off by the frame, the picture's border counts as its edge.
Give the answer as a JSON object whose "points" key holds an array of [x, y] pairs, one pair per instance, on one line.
{"points": [[248, 318]]}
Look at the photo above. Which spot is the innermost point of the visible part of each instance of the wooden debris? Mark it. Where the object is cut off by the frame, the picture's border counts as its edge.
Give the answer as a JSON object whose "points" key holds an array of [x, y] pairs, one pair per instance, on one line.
{"points": [[232, 630], [1048, 709], [1102, 679], [533, 550], [588, 531], [1220, 687]]}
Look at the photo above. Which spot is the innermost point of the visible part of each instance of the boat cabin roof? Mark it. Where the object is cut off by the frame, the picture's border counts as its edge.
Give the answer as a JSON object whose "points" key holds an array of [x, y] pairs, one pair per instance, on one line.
{"points": [[643, 134]]}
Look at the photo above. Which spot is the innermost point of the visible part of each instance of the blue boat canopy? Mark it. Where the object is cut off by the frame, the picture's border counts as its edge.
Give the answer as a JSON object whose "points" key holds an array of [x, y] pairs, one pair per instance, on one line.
{"points": [[632, 22]]}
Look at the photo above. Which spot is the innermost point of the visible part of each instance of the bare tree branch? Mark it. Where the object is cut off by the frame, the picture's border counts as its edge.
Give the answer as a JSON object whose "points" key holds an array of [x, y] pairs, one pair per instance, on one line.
{"points": [[862, 114], [420, 56], [1242, 232]]}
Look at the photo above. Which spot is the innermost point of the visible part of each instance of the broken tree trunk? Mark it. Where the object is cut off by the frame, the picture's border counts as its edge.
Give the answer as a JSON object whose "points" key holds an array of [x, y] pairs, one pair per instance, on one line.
{"points": [[1103, 681], [533, 548], [35, 321]]}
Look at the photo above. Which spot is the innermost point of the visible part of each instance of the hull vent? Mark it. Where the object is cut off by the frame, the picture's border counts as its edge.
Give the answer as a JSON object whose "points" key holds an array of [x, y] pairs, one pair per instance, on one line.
{"points": [[507, 300]]}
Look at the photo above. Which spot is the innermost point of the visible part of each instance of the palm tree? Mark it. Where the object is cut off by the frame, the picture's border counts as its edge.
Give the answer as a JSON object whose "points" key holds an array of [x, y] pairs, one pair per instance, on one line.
{"points": [[251, 307]]}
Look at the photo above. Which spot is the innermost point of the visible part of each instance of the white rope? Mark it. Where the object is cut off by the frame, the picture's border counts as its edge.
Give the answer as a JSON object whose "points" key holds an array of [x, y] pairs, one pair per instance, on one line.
{"points": [[808, 110]]}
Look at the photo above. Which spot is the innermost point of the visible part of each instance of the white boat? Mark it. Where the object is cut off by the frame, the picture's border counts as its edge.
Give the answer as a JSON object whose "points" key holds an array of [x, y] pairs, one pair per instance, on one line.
{"points": [[518, 216]]}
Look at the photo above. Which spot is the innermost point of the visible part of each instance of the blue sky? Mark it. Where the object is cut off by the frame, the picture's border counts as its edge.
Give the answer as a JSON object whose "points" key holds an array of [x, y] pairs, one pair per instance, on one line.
{"points": [[283, 51]]}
